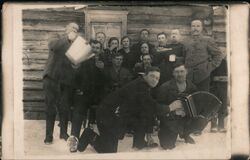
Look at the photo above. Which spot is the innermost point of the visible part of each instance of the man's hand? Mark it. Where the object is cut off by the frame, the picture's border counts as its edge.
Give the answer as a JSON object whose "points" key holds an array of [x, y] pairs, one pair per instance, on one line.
{"points": [[99, 64], [180, 112], [75, 66], [175, 105]]}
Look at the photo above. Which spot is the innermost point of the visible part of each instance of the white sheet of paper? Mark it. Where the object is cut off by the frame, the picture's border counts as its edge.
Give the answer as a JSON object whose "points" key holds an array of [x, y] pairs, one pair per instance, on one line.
{"points": [[79, 51]]}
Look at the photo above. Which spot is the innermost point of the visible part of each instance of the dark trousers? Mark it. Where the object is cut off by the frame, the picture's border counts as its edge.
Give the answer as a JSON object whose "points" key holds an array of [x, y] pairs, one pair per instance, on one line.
{"points": [[219, 89], [80, 103], [52, 94], [64, 107], [204, 85], [107, 141], [139, 137]]}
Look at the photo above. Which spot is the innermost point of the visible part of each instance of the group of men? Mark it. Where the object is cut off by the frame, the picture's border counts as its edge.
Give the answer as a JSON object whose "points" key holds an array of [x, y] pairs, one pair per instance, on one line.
{"points": [[127, 89]]}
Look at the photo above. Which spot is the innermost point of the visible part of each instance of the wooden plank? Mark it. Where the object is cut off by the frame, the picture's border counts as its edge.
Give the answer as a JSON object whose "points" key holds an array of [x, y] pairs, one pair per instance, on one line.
{"points": [[220, 10], [34, 55], [31, 45], [52, 15], [34, 104], [40, 35], [219, 20], [33, 85], [161, 19], [32, 109], [163, 10], [35, 96], [33, 75], [33, 67], [160, 26], [34, 115], [31, 61]]}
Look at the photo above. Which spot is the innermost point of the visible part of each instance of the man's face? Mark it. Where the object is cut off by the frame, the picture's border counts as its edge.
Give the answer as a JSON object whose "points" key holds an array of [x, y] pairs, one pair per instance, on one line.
{"points": [[117, 61], [144, 36], [196, 27], [152, 78], [72, 35], [125, 43], [175, 35], [146, 60], [96, 48], [162, 39], [114, 44], [180, 74], [144, 49], [100, 37]]}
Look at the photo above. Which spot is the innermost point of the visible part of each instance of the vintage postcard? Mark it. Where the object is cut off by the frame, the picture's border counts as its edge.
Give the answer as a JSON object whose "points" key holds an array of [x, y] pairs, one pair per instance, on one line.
{"points": [[125, 81]]}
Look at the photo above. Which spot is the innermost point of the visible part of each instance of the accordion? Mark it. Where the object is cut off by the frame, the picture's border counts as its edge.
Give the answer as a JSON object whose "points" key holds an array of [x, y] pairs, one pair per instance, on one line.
{"points": [[201, 104]]}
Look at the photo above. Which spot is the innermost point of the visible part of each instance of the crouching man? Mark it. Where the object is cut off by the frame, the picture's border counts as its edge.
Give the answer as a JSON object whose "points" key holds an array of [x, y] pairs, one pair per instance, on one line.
{"points": [[175, 122], [133, 101]]}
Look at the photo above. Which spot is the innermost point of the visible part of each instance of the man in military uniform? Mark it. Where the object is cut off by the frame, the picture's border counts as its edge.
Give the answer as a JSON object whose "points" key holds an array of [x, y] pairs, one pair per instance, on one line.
{"points": [[58, 78], [174, 123], [202, 56], [133, 101]]}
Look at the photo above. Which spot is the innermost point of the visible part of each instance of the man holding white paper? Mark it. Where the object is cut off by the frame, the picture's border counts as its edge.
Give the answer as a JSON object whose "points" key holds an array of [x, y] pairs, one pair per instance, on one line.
{"points": [[58, 78]]}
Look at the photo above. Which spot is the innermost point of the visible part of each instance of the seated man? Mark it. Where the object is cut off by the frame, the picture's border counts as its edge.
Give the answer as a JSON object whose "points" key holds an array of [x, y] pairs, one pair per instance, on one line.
{"points": [[140, 68], [116, 76], [174, 123], [133, 101]]}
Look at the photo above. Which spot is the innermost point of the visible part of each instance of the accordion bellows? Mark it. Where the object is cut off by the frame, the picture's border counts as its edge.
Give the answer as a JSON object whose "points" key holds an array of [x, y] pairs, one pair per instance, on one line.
{"points": [[79, 51], [202, 104]]}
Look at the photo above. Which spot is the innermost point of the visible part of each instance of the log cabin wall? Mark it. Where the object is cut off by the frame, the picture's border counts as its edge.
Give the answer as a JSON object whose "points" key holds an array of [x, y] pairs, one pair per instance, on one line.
{"points": [[39, 25]]}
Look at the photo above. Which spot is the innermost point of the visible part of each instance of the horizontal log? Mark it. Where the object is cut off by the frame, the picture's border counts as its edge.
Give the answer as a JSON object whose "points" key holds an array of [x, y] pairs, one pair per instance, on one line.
{"points": [[40, 35], [35, 96], [53, 15], [32, 75], [220, 10], [36, 61], [33, 67], [163, 10], [160, 19], [34, 104], [219, 20], [29, 115], [32, 109], [33, 85], [40, 56]]}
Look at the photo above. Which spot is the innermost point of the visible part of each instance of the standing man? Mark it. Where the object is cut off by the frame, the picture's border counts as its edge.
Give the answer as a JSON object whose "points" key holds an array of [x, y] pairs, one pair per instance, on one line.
{"points": [[133, 101], [170, 54], [144, 38], [202, 56], [174, 123], [88, 88], [58, 78]]}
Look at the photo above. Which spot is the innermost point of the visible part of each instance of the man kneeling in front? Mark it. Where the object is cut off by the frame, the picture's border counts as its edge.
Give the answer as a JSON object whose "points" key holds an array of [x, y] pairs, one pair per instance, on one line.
{"points": [[133, 101]]}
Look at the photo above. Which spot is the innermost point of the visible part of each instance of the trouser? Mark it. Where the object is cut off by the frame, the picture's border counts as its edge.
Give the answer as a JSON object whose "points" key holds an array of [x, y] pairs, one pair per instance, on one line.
{"points": [[64, 108], [107, 141], [219, 89], [80, 103], [139, 137], [204, 85], [52, 94]]}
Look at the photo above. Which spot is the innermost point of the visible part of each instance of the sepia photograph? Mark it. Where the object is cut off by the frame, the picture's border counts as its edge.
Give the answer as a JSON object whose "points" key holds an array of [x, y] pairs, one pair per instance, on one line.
{"points": [[112, 80], [121, 79]]}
